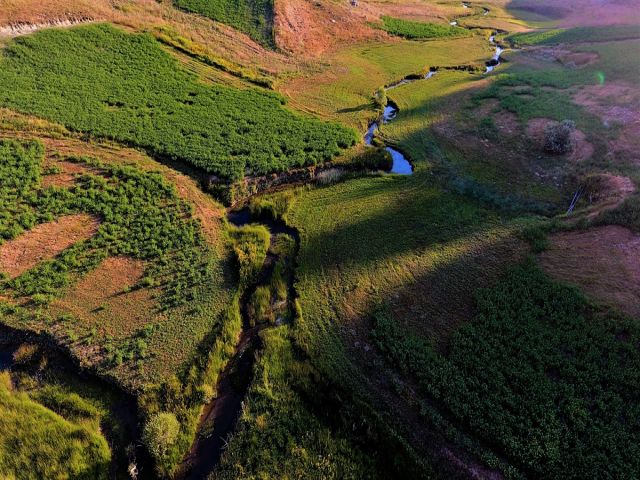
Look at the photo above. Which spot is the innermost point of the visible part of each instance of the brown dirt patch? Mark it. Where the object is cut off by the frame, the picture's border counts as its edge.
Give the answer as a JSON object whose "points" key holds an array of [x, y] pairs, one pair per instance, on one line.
{"points": [[603, 261], [311, 27], [67, 176], [100, 299], [583, 149], [578, 59], [506, 122], [45, 241]]}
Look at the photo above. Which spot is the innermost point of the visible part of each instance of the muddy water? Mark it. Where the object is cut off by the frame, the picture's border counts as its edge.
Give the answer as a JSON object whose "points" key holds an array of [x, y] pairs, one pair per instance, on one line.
{"points": [[220, 416], [6, 357]]}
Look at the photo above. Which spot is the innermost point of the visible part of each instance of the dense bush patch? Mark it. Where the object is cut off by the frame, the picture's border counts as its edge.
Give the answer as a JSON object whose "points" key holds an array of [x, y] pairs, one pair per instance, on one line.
{"points": [[537, 374], [420, 30], [103, 81], [254, 17]]}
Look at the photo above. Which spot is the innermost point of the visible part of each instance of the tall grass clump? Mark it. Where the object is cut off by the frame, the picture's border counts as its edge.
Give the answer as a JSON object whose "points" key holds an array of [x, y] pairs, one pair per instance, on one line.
{"points": [[38, 443]]}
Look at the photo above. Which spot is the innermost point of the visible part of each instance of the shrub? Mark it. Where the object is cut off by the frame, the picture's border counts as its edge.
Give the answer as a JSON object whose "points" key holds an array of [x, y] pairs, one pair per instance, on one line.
{"points": [[380, 98], [558, 137], [160, 433]]}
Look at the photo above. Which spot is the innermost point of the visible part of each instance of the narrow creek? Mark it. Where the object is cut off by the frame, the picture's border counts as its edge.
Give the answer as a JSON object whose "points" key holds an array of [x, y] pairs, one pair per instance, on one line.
{"points": [[220, 416], [401, 165]]}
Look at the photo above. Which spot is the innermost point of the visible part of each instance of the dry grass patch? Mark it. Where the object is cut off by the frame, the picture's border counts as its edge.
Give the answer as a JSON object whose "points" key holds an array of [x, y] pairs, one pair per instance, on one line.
{"points": [[605, 191], [45, 241], [616, 103], [104, 299], [603, 261]]}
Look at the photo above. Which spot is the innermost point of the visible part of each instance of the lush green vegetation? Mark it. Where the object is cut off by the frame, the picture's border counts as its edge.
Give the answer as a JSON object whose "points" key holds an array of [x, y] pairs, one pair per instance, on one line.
{"points": [[538, 375], [420, 30], [278, 435], [39, 443], [250, 244], [254, 17], [19, 175], [141, 217], [126, 87]]}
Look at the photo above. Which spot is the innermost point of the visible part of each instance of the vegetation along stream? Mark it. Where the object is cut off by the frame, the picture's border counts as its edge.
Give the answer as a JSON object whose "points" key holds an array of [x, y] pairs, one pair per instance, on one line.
{"points": [[220, 416]]}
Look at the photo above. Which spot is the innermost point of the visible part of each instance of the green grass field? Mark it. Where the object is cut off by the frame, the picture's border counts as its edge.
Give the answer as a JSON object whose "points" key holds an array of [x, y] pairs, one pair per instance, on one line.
{"points": [[419, 30], [538, 375]]}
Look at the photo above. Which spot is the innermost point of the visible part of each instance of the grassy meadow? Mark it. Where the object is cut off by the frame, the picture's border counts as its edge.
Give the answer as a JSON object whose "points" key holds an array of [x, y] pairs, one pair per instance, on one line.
{"points": [[422, 340]]}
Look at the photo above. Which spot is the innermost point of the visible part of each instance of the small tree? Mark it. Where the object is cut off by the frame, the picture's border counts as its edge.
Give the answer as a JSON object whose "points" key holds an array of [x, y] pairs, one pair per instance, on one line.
{"points": [[558, 137], [160, 433]]}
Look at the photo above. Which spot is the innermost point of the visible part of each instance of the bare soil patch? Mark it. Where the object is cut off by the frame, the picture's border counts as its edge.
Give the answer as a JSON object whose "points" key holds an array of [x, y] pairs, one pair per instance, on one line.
{"points": [[102, 299], [312, 28], [67, 176], [578, 59], [506, 122], [45, 241], [603, 261], [582, 150]]}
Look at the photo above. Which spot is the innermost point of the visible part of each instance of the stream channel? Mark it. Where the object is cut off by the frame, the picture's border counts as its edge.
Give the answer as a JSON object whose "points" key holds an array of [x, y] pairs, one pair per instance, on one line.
{"points": [[220, 416]]}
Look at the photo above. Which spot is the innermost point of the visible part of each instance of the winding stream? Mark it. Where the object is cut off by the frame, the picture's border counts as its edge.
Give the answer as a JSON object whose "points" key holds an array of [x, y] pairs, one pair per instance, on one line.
{"points": [[495, 60], [401, 164], [220, 416]]}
